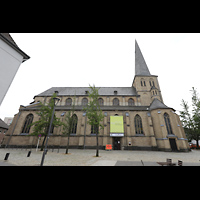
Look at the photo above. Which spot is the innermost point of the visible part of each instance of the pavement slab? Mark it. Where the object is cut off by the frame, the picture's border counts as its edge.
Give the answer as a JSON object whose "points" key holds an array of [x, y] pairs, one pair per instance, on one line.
{"points": [[86, 157]]}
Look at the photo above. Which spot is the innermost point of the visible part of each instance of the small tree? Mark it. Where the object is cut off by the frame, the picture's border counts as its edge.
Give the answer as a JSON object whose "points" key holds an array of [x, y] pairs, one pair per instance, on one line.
{"points": [[69, 122], [191, 121], [94, 113], [41, 126]]}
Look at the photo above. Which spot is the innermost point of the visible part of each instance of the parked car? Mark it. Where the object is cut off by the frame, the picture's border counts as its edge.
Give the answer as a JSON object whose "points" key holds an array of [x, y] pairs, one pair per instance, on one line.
{"points": [[193, 146]]}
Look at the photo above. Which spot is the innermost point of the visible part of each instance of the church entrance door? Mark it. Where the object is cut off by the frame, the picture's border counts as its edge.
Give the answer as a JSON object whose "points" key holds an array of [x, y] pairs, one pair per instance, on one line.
{"points": [[173, 145], [116, 143]]}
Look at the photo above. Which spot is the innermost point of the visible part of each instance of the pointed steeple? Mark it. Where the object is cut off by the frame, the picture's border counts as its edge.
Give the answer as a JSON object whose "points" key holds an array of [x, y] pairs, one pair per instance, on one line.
{"points": [[140, 64]]}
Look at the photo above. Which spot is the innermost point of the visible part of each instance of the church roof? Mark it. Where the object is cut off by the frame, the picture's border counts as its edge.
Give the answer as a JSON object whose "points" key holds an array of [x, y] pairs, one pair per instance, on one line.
{"points": [[108, 91], [156, 104], [140, 64]]}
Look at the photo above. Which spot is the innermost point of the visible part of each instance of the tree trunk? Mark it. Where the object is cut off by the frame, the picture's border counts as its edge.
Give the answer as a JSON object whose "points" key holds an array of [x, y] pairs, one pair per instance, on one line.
{"points": [[97, 151], [67, 146], [197, 142], [42, 147]]}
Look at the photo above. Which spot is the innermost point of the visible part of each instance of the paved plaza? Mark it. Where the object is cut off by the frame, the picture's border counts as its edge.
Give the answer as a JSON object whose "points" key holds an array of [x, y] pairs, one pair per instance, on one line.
{"points": [[80, 157]]}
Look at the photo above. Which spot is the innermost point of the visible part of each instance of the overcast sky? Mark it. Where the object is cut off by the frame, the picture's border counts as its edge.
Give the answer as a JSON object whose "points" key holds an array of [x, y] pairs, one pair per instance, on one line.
{"points": [[103, 59]]}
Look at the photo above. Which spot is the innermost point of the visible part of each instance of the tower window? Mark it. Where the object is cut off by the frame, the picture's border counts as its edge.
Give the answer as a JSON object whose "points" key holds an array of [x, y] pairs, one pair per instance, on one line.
{"points": [[143, 83], [151, 82]]}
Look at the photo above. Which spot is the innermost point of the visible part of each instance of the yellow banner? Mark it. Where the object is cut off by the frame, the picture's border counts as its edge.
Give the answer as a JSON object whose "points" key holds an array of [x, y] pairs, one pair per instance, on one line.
{"points": [[116, 124]]}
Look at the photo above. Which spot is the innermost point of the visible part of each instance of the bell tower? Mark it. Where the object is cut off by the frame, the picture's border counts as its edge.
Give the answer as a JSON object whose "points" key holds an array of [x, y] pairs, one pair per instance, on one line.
{"points": [[146, 85]]}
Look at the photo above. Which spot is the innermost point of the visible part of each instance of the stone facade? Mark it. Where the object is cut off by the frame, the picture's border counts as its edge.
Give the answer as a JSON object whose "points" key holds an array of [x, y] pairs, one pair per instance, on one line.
{"points": [[158, 128]]}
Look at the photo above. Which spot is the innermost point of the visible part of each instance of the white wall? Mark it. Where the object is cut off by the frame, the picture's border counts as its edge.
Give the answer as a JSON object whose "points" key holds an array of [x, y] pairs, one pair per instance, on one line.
{"points": [[10, 61]]}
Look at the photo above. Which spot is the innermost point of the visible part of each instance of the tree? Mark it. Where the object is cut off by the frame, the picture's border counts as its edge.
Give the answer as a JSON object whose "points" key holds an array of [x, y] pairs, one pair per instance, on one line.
{"points": [[41, 126], [191, 121], [69, 122], [94, 113]]}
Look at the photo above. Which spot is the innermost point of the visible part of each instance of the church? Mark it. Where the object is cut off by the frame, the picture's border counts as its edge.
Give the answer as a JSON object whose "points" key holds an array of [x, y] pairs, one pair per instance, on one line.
{"points": [[135, 117]]}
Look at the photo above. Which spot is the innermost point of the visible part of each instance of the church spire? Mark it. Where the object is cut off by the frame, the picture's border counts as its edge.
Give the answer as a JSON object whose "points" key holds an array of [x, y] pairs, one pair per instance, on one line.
{"points": [[140, 64]]}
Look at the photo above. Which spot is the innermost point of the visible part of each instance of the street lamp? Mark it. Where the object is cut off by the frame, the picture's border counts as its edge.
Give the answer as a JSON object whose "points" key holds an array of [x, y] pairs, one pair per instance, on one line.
{"points": [[45, 149]]}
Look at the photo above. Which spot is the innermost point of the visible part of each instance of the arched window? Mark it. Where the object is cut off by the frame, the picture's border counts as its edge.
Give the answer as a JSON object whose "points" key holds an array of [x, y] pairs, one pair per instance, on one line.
{"points": [[28, 121], [168, 124], [74, 123], [131, 102], [84, 101], [100, 100], [138, 125], [115, 102], [69, 102]]}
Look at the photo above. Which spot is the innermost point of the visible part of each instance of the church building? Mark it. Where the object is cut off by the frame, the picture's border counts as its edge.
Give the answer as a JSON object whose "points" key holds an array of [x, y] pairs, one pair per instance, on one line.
{"points": [[135, 117]]}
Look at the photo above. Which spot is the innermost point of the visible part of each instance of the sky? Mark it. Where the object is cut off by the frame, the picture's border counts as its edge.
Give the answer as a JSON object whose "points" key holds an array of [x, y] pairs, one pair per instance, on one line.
{"points": [[105, 60]]}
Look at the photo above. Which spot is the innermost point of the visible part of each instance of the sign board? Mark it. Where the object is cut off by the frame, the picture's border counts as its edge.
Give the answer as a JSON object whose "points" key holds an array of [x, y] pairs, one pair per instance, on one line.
{"points": [[116, 126], [117, 134], [108, 146]]}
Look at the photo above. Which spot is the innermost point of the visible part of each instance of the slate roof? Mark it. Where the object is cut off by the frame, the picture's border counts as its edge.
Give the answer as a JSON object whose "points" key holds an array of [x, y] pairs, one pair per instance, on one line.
{"points": [[140, 64], [3, 124], [156, 104], [103, 91]]}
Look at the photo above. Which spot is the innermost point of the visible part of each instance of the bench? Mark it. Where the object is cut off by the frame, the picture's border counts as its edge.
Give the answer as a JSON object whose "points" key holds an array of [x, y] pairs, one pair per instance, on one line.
{"points": [[167, 163]]}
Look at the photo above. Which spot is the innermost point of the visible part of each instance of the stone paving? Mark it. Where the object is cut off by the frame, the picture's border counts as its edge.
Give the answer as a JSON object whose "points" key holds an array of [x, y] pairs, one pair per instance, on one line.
{"points": [[80, 157]]}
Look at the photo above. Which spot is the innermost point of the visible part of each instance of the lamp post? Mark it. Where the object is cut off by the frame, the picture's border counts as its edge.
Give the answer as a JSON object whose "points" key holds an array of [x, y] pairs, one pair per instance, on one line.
{"points": [[45, 149]]}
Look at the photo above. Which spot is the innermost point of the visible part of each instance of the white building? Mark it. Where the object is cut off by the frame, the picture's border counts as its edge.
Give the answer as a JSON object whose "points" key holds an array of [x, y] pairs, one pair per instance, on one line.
{"points": [[11, 57], [8, 120]]}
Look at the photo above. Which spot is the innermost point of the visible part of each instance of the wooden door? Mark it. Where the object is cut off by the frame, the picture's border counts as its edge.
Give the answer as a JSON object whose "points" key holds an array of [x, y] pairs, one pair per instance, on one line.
{"points": [[116, 143], [173, 145]]}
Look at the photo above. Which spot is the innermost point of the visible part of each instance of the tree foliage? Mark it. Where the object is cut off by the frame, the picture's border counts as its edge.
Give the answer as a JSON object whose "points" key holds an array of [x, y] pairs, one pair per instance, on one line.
{"points": [[69, 122], [191, 120], [41, 126], [94, 113]]}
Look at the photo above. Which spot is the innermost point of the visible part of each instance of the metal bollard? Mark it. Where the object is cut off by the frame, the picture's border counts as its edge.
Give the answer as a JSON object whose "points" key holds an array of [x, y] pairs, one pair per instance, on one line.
{"points": [[29, 153], [7, 155]]}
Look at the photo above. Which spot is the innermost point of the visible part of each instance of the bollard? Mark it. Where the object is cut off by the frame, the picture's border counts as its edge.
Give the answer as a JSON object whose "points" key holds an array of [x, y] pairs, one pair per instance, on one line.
{"points": [[29, 153], [7, 155]]}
